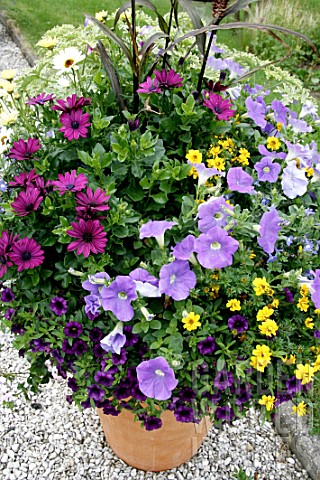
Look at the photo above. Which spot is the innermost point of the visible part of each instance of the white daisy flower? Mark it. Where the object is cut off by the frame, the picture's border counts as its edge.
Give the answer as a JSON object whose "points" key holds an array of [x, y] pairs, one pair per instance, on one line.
{"points": [[67, 60]]}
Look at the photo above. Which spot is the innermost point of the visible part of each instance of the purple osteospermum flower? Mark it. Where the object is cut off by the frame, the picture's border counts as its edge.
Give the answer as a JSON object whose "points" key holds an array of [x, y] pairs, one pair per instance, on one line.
{"points": [[95, 282], [240, 181], [225, 413], [73, 329], [79, 347], [238, 323], [152, 423], [184, 249], [95, 392], [59, 306], [92, 305], [219, 106], [27, 202], [184, 414], [70, 182], [267, 170], [90, 203], [7, 295], [71, 103], [294, 182], [149, 86], [176, 279], [40, 99], [7, 240], [269, 229], [117, 297], [215, 248], [24, 179], [115, 340], [75, 124], [207, 346], [169, 79], [213, 213], [293, 385], [223, 380], [257, 112], [26, 253], [24, 150], [156, 378], [155, 228], [90, 237]]}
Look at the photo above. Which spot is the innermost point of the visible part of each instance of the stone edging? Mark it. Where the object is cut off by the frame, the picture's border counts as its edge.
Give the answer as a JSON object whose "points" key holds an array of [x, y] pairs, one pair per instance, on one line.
{"points": [[294, 431], [18, 39]]}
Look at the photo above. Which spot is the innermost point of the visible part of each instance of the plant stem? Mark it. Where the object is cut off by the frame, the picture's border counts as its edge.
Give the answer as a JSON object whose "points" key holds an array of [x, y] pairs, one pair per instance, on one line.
{"points": [[173, 6], [134, 56], [204, 62]]}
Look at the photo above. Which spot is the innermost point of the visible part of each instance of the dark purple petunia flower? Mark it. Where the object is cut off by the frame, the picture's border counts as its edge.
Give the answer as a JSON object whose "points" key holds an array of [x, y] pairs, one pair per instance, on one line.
{"points": [[40, 99], [24, 150], [86, 404], [70, 182], [97, 350], [207, 346], [149, 86], [95, 334], [133, 124], [9, 313], [219, 106], [73, 329], [104, 378], [59, 306], [156, 378], [7, 295], [187, 394], [240, 181], [39, 345], [281, 398], [212, 397], [238, 323], [223, 380], [18, 329], [293, 385], [176, 279], [137, 394], [90, 237], [169, 79], [27, 202], [72, 383], [69, 399], [289, 295], [269, 229], [118, 296], [123, 390], [26, 253], [316, 334], [121, 358], [225, 413], [95, 392], [67, 348], [75, 124], [110, 410], [80, 347], [184, 414], [71, 103], [267, 170], [152, 423], [57, 356], [216, 248], [131, 338]]}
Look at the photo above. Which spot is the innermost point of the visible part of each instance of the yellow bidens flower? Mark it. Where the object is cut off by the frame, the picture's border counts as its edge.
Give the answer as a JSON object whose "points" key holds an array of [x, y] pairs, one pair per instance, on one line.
{"points": [[304, 373], [47, 42], [268, 328], [191, 321], [261, 357], [300, 409], [261, 287], [217, 162], [309, 322], [303, 304], [9, 74], [268, 401], [101, 16], [273, 143], [194, 156], [264, 314], [289, 361], [233, 304]]}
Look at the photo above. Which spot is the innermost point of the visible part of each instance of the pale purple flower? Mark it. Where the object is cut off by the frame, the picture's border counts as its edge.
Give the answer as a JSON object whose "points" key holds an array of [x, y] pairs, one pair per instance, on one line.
{"points": [[269, 229], [240, 181], [256, 111], [156, 378], [213, 213], [271, 154], [115, 340], [184, 249], [214, 48], [215, 248], [95, 282], [216, 63], [204, 173], [308, 108], [299, 126], [280, 112], [300, 152], [117, 297], [176, 279], [294, 182], [156, 229], [267, 170], [234, 68], [92, 304], [146, 284], [315, 287]]}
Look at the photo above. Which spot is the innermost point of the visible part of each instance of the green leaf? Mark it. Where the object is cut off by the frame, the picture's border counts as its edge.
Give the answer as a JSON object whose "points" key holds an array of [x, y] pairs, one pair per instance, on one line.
{"points": [[221, 363], [155, 324], [160, 198]]}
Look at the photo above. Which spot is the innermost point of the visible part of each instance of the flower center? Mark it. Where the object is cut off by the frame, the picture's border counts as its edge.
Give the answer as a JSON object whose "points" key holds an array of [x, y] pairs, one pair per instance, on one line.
{"points": [[68, 62], [87, 237], [172, 279], [218, 216], [266, 169], [215, 246], [122, 295], [26, 256], [3, 260], [218, 109], [75, 124], [29, 207], [69, 186], [159, 372]]}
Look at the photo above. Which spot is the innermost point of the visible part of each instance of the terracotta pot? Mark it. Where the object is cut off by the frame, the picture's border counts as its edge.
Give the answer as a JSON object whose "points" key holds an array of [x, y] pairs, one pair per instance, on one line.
{"points": [[168, 447]]}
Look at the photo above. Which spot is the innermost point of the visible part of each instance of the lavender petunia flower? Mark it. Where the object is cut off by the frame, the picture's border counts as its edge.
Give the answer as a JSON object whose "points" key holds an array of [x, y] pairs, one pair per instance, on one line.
{"points": [[184, 249], [216, 63], [271, 154], [280, 112], [215, 248], [93, 304], [301, 152], [117, 297], [267, 170], [299, 126], [146, 284], [257, 112], [213, 213], [115, 340], [176, 279], [234, 68], [269, 228], [240, 181], [94, 282], [315, 288], [156, 378], [294, 182], [156, 229], [204, 173]]}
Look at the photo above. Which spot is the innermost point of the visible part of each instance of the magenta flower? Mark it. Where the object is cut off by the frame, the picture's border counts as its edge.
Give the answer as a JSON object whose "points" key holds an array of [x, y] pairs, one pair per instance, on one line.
{"points": [[40, 99], [90, 203], [25, 179], [269, 228], [27, 202], [219, 106], [156, 378], [24, 150], [240, 181], [176, 279], [267, 170], [215, 248], [169, 79], [90, 237], [118, 296], [70, 182], [71, 103], [149, 86], [26, 253], [7, 240], [213, 213], [75, 124]]}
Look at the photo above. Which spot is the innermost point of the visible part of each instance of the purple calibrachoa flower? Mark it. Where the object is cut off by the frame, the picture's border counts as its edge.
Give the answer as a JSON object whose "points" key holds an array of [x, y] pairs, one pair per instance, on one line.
{"points": [[187, 394], [207, 346], [40, 99], [213, 213], [215, 248], [149, 86], [176, 279], [152, 423], [219, 106], [316, 334], [59, 306], [169, 79], [267, 170], [95, 282], [24, 150], [240, 181], [293, 385], [73, 329], [71, 103], [118, 296], [27, 202], [90, 237], [269, 229], [156, 229], [294, 182], [95, 392], [104, 378], [256, 111], [70, 182], [115, 340], [223, 380], [26, 253], [79, 347], [7, 295], [156, 378], [75, 124], [225, 413], [184, 414], [95, 334], [238, 323]]}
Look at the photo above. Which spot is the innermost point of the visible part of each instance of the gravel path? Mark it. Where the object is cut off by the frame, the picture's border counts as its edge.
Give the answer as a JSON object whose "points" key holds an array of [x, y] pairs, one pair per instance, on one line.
{"points": [[47, 439]]}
